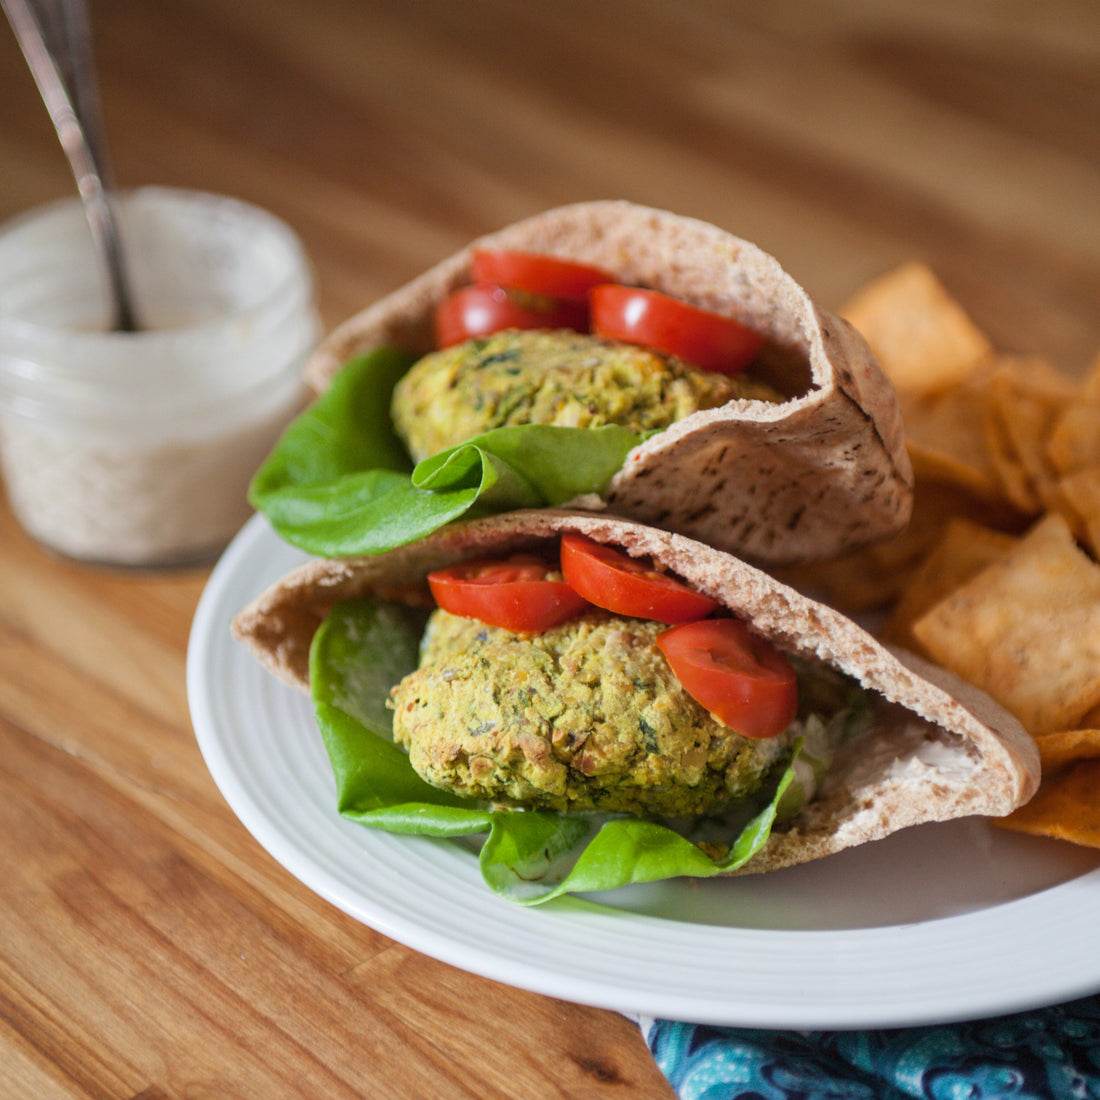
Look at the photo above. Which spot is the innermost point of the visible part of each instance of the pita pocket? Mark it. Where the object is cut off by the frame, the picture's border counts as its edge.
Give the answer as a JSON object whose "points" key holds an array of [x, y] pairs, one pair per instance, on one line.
{"points": [[937, 748], [822, 471]]}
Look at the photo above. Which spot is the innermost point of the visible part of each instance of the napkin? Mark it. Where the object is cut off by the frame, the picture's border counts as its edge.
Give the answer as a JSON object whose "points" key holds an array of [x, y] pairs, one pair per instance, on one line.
{"points": [[1045, 1054]]}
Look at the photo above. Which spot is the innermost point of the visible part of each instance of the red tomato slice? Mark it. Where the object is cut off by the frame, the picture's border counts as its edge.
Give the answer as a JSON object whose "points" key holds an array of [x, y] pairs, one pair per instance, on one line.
{"points": [[483, 310], [707, 340], [549, 276], [513, 593], [742, 679], [616, 582]]}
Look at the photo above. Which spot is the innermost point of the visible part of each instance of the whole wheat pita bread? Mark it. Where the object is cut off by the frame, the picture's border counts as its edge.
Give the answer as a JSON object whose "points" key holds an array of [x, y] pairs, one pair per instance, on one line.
{"points": [[952, 753], [824, 471]]}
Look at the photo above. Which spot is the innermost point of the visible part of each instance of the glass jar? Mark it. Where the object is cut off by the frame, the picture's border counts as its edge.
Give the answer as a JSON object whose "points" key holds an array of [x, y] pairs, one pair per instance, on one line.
{"points": [[137, 448]]}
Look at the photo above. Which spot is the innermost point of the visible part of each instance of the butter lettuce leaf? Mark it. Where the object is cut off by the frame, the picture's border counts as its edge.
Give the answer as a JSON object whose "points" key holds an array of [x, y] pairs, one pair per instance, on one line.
{"points": [[339, 481], [361, 650]]}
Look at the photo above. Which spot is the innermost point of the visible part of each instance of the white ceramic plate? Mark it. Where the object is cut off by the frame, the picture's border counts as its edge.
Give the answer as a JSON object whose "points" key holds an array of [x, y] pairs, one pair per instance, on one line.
{"points": [[935, 924]]}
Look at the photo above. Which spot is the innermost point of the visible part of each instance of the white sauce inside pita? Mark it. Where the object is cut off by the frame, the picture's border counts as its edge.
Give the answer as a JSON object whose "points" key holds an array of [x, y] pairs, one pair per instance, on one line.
{"points": [[906, 752]]}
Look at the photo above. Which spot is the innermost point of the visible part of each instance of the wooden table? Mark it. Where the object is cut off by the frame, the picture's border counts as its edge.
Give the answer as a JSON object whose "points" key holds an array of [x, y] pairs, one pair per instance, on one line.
{"points": [[148, 946]]}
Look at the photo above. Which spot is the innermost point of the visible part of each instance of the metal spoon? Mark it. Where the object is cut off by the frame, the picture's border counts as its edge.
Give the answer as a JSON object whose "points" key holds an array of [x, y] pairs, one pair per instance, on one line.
{"points": [[55, 36]]}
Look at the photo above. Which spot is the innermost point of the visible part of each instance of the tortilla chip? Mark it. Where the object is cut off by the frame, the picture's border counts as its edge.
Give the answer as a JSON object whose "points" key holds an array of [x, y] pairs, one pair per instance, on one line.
{"points": [[1034, 374], [1026, 630], [965, 549], [1066, 807], [922, 337], [1080, 493], [1026, 399], [989, 433], [1090, 384], [1063, 747], [1012, 475], [945, 438], [1074, 439]]}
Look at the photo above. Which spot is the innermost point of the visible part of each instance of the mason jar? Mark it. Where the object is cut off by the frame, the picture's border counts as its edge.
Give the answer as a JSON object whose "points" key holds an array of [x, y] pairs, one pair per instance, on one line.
{"points": [[136, 448]]}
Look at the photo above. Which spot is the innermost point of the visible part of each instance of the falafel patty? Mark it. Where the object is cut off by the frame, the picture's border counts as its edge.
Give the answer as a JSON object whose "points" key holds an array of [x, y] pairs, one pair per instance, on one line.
{"points": [[585, 716], [551, 377]]}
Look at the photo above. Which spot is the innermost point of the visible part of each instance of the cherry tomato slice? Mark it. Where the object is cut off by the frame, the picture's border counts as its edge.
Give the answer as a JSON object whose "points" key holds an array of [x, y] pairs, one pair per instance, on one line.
{"points": [[513, 593], [549, 276], [742, 679], [705, 339], [483, 310], [628, 586]]}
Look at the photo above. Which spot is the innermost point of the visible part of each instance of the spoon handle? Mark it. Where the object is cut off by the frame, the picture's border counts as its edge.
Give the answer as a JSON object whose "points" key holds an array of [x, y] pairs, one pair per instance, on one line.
{"points": [[55, 37]]}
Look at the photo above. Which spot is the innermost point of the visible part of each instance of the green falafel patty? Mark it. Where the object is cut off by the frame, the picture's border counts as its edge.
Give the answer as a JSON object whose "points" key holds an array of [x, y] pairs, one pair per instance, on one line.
{"points": [[551, 377], [585, 716]]}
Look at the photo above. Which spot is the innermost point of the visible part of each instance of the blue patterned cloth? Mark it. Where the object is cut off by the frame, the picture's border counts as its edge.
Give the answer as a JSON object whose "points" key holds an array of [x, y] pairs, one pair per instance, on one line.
{"points": [[1046, 1054]]}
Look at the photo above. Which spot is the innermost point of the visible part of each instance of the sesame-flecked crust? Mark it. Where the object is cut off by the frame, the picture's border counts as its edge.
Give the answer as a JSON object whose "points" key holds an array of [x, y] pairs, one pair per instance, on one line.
{"points": [[984, 761], [822, 472]]}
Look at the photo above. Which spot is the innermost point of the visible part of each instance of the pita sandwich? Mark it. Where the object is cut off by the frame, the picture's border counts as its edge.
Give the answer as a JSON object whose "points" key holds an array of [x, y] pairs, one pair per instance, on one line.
{"points": [[939, 749], [822, 471]]}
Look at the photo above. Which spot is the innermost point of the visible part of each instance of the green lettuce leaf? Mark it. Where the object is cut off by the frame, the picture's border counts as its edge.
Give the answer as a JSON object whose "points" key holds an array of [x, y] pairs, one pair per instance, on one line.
{"points": [[361, 650], [339, 481]]}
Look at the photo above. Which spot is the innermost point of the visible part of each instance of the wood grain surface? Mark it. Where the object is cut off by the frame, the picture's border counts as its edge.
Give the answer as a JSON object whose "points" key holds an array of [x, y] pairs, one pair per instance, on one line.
{"points": [[148, 947]]}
